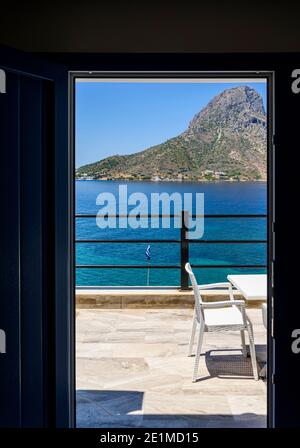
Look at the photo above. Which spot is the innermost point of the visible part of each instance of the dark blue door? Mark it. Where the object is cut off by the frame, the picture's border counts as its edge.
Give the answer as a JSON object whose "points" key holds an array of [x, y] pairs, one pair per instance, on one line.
{"points": [[33, 130]]}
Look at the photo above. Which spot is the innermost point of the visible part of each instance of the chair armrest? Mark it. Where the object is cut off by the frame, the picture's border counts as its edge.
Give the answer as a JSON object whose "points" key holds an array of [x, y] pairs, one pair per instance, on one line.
{"points": [[223, 303], [215, 285]]}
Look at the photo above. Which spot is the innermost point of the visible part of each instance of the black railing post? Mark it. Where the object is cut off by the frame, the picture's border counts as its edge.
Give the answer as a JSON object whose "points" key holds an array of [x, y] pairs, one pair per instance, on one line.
{"points": [[184, 251]]}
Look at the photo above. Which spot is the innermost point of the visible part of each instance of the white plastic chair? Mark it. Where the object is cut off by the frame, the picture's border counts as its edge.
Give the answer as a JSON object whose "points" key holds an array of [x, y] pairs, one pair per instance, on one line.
{"points": [[229, 315]]}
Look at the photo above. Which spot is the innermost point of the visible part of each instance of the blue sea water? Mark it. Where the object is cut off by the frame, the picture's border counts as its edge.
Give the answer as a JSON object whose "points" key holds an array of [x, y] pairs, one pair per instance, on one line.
{"points": [[219, 198]]}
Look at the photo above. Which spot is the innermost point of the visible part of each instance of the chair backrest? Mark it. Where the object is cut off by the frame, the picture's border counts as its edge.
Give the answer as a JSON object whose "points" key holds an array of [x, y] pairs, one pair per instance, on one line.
{"points": [[197, 295]]}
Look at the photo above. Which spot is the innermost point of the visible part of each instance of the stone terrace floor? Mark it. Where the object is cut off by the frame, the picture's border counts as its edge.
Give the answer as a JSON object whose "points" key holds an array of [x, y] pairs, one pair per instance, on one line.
{"points": [[132, 371]]}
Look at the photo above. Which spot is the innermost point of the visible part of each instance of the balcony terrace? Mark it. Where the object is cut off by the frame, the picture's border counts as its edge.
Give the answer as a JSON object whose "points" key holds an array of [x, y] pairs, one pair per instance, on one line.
{"points": [[133, 370]]}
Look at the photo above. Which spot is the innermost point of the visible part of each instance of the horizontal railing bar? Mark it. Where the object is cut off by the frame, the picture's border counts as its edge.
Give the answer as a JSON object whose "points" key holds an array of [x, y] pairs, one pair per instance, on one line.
{"points": [[260, 215], [106, 215], [219, 266], [173, 216], [228, 241], [176, 241], [146, 266], [127, 241], [129, 266]]}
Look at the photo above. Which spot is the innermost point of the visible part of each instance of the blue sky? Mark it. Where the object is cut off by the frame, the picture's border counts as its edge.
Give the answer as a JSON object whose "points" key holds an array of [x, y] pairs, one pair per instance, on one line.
{"points": [[123, 118]]}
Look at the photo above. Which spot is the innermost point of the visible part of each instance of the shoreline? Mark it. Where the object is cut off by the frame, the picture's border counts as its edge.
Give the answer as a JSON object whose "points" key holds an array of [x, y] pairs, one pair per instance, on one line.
{"points": [[171, 181]]}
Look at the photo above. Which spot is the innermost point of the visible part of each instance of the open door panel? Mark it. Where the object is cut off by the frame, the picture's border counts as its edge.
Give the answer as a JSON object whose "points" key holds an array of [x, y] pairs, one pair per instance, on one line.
{"points": [[33, 111]]}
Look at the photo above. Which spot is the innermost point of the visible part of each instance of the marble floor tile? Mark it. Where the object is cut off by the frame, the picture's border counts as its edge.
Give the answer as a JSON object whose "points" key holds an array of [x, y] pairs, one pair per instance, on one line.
{"points": [[133, 371]]}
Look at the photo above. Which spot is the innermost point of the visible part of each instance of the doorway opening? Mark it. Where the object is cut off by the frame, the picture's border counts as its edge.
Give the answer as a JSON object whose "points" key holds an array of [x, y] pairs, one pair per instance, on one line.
{"points": [[173, 208]]}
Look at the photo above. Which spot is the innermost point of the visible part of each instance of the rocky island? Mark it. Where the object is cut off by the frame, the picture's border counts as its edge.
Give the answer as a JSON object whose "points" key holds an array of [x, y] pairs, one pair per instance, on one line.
{"points": [[227, 140]]}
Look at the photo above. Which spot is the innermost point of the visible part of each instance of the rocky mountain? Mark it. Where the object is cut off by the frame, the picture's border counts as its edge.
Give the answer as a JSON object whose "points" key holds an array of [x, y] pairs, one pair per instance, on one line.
{"points": [[225, 140]]}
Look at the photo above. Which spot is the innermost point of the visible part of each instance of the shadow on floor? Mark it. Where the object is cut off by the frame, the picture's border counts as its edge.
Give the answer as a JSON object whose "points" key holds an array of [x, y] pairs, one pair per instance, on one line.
{"points": [[124, 409], [231, 363], [112, 402]]}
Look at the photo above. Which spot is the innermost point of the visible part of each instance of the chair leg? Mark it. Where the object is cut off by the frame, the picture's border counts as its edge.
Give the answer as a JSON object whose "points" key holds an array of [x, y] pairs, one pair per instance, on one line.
{"points": [[198, 352], [263, 372], [252, 351], [192, 336], [244, 350]]}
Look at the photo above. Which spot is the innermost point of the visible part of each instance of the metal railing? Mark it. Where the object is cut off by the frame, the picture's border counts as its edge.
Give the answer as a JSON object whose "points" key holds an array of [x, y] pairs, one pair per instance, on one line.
{"points": [[183, 241]]}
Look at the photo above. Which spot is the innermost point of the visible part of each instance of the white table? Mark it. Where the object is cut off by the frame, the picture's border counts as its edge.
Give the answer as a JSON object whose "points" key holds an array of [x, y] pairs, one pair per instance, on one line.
{"points": [[253, 287]]}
